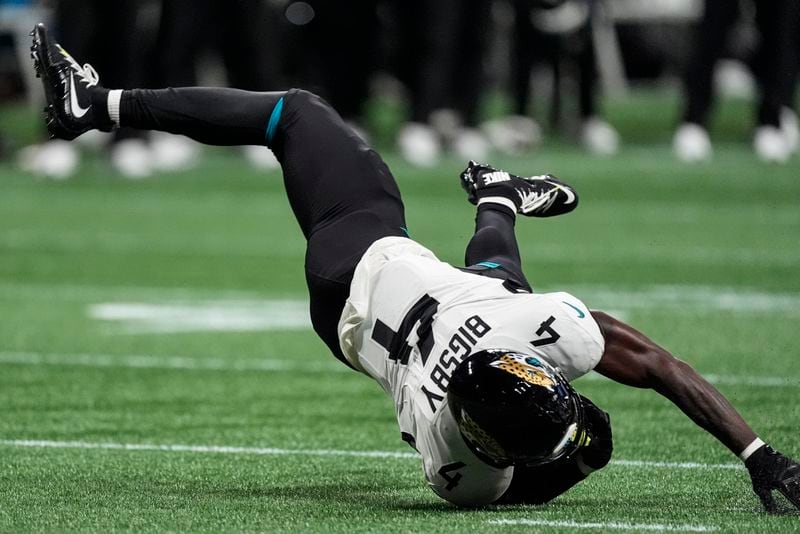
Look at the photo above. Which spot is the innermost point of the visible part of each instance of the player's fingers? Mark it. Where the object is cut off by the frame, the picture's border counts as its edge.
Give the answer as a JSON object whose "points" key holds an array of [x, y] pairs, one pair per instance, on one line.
{"points": [[791, 490], [767, 500]]}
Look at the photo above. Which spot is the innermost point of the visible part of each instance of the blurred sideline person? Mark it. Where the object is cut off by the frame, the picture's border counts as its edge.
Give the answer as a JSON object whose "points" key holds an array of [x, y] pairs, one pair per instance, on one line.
{"points": [[341, 53], [559, 33], [477, 364], [442, 53], [106, 32], [243, 32], [775, 67]]}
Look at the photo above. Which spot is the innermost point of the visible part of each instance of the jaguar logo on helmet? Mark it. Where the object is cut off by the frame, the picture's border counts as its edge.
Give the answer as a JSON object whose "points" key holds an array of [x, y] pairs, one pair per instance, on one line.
{"points": [[515, 409], [527, 368]]}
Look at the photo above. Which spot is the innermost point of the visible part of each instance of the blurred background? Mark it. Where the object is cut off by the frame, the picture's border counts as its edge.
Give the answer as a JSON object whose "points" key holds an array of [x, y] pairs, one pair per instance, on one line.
{"points": [[152, 290], [430, 78]]}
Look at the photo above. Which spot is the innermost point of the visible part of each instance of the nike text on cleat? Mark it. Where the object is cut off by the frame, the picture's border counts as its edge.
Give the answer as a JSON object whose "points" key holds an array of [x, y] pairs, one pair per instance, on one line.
{"points": [[68, 88], [535, 196], [496, 177]]}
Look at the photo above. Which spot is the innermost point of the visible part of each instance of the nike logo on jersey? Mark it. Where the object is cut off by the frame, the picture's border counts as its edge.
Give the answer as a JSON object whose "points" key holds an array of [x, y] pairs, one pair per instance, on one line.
{"points": [[75, 107], [495, 177], [581, 313]]}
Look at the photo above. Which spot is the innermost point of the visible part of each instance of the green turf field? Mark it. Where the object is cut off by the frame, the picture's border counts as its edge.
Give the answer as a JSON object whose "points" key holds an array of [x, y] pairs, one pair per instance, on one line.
{"points": [[156, 373]]}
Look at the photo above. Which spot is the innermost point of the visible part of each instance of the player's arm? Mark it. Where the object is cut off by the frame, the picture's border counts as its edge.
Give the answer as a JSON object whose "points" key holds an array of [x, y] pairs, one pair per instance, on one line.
{"points": [[631, 358]]}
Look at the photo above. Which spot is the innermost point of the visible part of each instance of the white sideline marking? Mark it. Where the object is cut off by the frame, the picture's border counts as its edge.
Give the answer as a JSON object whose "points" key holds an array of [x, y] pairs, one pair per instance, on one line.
{"points": [[271, 451], [607, 525], [204, 316], [136, 361]]}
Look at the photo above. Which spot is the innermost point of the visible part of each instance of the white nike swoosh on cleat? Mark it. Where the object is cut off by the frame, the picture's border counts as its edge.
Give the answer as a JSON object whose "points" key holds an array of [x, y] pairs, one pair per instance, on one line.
{"points": [[77, 110], [570, 195]]}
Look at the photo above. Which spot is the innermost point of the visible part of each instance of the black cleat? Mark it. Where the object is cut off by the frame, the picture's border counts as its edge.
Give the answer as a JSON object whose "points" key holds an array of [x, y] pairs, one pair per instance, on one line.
{"points": [[535, 196], [67, 87]]}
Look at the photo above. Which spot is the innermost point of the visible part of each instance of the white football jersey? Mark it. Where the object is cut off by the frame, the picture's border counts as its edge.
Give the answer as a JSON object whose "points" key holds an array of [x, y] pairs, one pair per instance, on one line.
{"points": [[411, 319]]}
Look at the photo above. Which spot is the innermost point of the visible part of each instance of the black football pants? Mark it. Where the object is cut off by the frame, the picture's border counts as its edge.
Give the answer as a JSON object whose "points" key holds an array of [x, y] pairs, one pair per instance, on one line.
{"points": [[341, 192]]}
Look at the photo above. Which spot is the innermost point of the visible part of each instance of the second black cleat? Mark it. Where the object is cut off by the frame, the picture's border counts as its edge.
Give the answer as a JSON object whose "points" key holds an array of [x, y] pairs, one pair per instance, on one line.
{"points": [[535, 196], [68, 89]]}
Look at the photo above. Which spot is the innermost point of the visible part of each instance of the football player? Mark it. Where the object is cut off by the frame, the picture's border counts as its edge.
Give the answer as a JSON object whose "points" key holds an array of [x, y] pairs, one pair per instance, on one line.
{"points": [[478, 365]]}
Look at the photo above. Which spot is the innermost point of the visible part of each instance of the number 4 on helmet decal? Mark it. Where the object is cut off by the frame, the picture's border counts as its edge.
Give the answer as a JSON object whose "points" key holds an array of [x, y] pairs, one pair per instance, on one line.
{"points": [[452, 480]]}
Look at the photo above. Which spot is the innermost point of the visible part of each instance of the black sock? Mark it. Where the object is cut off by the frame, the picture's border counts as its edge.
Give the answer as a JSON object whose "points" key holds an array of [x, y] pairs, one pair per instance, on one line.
{"points": [[494, 237], [102, 121]]}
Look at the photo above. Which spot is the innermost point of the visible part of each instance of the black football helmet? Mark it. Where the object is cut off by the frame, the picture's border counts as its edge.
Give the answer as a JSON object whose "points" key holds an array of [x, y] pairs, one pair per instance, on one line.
{"points": [[515, 409]]}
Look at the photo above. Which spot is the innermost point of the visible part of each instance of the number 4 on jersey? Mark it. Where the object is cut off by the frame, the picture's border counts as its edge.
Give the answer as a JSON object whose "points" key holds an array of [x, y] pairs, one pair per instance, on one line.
{"points": [[452, 480], [546, 328], [396, 343]]}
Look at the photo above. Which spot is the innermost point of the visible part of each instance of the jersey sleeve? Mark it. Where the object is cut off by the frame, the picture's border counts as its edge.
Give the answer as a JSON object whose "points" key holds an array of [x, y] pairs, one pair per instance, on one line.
{"points": [[578, 342], [452, 470]]}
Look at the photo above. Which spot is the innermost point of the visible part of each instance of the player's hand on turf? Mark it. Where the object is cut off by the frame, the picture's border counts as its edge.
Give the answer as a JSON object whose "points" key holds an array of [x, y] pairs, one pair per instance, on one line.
{"points": [[770, 471], [597, 452]]}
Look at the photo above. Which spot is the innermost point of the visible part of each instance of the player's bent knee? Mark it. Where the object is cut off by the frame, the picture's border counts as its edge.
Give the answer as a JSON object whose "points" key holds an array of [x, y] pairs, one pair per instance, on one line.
{"points": [[304, 95], [305, 99]]}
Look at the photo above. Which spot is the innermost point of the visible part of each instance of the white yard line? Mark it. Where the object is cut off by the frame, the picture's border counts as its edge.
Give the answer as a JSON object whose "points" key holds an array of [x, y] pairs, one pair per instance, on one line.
{"points": [[203, 449], [203, 316], [674, 465], [612, 525], [272, 451]]}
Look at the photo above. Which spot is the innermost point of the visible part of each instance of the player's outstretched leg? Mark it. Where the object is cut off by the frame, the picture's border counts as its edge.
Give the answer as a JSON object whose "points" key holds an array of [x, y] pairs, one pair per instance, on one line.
{"points": [[535, 196], [341, 192]]}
